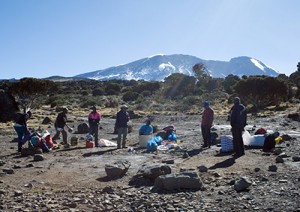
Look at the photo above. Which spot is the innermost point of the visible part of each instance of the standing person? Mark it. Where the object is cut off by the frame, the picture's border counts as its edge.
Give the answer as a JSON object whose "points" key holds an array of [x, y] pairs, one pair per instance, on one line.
{"points": [[146, 129], [94, 119], [122, 125], [60, 123], [21, 128], [206, 123], [238, 120]]}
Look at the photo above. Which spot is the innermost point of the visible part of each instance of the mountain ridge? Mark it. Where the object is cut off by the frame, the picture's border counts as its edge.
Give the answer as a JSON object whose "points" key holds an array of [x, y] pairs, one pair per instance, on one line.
{"points": [[158, 67]]}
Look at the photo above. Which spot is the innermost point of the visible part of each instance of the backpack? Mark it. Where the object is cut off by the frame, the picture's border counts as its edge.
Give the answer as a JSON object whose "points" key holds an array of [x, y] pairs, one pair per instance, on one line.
{"points": [[269, 143]]}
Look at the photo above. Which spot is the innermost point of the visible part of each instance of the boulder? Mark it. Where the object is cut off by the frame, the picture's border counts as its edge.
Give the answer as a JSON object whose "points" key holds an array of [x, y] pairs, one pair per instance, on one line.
{"points": [[46, 120], [182, 180], [153, 171], [117, 169], [8, 106], [242, 184], [82, 128]]}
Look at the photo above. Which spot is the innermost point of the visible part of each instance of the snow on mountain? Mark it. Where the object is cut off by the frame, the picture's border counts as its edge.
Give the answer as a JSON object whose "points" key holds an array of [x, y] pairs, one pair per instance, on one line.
{"points": [[158, 67]]}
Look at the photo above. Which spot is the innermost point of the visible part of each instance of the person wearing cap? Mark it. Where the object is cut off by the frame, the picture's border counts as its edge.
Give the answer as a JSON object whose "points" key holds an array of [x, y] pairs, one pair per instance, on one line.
{"points": [[122, 126], [238, 121], [94, 120], [21, 128], [206, 123], [60, 123], [146, 129]]}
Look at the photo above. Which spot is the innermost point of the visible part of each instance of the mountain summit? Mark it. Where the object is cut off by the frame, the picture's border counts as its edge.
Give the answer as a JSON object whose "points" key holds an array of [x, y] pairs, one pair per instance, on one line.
{"points": [[158, 67]]}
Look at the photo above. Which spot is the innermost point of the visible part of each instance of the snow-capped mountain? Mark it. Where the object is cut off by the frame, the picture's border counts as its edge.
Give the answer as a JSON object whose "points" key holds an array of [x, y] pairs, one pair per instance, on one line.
{"points": [[158, 67]]}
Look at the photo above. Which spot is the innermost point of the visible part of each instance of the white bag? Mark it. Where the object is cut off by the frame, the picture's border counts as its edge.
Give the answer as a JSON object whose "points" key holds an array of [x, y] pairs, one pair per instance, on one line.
{"points": [[255, 140]]}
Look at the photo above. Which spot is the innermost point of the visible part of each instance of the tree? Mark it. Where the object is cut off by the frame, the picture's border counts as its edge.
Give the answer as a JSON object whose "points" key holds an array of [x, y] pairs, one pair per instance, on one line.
{"points": [[200, 71], [178, 84], [262, 91], [229, 82], [26, 90]]}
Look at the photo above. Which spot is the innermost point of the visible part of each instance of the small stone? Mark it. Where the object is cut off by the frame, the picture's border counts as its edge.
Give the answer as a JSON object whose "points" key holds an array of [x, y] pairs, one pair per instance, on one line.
{"points": [[202, 168], [279, 159], [273, 168], [8, 171], [18, 193], [38, 157], [257, 169], [296, 158]]}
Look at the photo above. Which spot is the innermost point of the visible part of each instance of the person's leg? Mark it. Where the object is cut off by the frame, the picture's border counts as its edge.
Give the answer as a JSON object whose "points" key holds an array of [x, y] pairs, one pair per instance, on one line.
{"points": [[203, 135], [125, 131], [119, 138], [241, 143], [235, 139], [65, 136], [206, 135], [96, 131], [56, 136], [20, 133]]}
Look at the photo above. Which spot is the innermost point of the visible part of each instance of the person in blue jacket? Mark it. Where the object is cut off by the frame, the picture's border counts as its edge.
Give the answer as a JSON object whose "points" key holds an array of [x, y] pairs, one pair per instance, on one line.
{"points": [[21, 128], [146, 129]]}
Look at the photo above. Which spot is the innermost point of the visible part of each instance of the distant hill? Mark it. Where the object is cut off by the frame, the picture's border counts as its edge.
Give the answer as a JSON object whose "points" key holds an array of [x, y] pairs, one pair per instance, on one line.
{"points": [[158, 67]]}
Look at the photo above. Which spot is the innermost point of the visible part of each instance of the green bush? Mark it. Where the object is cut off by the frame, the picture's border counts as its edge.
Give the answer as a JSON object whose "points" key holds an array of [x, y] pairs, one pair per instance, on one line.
{"points": [[130, 96]]}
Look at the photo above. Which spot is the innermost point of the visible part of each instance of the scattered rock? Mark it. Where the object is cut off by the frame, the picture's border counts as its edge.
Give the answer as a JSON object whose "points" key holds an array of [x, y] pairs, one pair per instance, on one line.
{"points": [[296, 158], [117, 169], [279, 159], [273, 168], [175, 181], [153, 171], [202, 168], [38, 157], [242, 184], [18, 193], [82, 128], [8, 171], [46, 120]]}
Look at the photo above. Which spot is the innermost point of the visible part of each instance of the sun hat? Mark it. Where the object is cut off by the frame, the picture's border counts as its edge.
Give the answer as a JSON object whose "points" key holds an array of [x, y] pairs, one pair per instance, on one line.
{"points": [[124, 106]]}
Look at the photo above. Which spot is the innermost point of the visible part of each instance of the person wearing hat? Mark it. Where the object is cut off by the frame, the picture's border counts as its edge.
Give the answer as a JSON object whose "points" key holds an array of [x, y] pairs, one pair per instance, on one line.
{"points": [[94, 120], [206, 124], [60, 123], [21, 128], [238, 121], [146, 129], [122, 126]]}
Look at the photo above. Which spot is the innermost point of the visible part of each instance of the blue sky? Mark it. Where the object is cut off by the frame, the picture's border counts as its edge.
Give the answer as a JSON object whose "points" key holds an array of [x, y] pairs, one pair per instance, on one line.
{"points": [[42, 38]]}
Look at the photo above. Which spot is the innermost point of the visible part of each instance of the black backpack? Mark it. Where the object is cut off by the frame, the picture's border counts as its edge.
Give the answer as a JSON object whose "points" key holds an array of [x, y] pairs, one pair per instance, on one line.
{"points": [[269, 143]]}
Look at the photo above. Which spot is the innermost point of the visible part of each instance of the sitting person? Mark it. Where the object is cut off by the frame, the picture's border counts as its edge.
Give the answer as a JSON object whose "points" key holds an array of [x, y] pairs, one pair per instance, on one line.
{"points": [[269, 143], [146, 129]]}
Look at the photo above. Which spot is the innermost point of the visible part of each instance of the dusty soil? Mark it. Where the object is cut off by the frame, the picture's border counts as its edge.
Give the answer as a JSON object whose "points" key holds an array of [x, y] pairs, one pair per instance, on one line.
{"points": [[74, 179]]}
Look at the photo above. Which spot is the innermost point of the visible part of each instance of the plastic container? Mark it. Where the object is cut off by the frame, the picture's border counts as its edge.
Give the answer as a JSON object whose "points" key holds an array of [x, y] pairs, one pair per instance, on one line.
{"points": [[89, 144], [143, 140]]}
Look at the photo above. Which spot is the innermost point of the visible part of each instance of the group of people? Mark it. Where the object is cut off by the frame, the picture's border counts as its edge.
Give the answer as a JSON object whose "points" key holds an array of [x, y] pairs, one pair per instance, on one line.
{"points": [[238, 121], [60, 125]]}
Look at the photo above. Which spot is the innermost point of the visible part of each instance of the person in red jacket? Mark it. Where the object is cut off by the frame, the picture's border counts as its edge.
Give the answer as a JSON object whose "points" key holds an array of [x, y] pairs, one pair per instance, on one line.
{"points": [[206, 123], [94, 120]]}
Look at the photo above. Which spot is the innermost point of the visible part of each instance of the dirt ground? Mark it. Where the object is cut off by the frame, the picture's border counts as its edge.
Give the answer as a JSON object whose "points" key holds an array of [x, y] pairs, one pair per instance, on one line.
{"points": [[74, 179]]}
